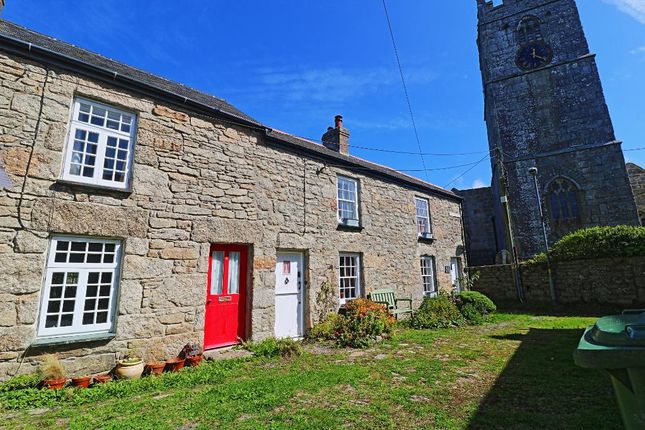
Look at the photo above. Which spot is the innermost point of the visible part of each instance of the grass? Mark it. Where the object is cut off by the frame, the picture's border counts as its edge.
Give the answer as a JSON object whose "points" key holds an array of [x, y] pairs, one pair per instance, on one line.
{"points": [[513, 373]]}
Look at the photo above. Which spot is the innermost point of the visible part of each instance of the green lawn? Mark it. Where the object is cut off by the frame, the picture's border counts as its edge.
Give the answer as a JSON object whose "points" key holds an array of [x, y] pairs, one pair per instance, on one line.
{"points": [[514, 373]]}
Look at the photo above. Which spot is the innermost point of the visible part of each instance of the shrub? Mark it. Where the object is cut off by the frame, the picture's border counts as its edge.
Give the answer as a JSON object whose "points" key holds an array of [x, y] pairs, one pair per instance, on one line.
{"points": [[471, 314], [474, 306], [364, 322], [597, 242], [479, 301], [51, 368], [327, 328], [272, 347], [437, 312]]}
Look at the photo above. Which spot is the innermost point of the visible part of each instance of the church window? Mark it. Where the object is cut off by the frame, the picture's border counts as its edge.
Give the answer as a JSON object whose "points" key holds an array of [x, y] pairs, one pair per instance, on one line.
{"points": [[562, 198], [528, 30]]}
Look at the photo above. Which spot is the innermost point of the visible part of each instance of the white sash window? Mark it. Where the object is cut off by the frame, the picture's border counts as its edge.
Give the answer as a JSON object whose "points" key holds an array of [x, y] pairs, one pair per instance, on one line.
{"points": [[100, 145], [81, 286], [423, 217], [347, 201], [428, 276], [349, 277]]}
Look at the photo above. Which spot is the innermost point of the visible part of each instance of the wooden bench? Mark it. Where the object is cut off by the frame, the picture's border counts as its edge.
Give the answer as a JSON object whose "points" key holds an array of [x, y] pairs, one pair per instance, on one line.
{"points": [[386, 297]]}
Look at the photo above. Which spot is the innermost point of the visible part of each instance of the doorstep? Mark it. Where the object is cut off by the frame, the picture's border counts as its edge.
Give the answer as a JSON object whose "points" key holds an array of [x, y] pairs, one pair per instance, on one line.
{"points": [[227, 352]]}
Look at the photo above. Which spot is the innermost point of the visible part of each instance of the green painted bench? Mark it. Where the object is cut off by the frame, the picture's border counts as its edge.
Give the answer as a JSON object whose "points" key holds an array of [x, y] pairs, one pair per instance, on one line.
{"points": [[387, 298]]}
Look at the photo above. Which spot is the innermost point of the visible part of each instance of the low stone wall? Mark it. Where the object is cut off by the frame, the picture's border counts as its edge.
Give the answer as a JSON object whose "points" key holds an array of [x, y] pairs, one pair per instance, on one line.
{"points": [[606, 281]]}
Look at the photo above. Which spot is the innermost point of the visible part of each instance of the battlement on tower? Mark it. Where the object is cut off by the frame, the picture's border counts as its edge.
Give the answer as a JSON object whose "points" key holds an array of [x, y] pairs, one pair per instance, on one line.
{"points": [[491, 10]]}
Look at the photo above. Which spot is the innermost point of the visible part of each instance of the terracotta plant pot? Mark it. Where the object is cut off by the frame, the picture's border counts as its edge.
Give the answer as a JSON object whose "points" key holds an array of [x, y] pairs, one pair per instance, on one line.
{"points": [[194, 360], [100, 379], [129, 369], [156, 367], [175, 364], [55, 384], [82, 381]]}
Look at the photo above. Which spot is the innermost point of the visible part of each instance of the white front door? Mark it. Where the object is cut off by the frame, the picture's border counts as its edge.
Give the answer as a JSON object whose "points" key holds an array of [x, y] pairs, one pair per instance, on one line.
{"points": [[289, 287], [455, 273]]}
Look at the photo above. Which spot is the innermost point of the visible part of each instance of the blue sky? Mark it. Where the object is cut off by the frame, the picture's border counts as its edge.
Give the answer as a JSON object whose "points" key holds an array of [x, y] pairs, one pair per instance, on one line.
{"points": [[294, 64]]}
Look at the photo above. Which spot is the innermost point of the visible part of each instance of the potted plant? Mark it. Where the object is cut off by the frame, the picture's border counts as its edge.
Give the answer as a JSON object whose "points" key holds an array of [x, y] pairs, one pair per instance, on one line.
{"points": [[100, 379], [153, 365], [131, 367], [174, 364], [52, 372], [81, 381], [192, 352]]}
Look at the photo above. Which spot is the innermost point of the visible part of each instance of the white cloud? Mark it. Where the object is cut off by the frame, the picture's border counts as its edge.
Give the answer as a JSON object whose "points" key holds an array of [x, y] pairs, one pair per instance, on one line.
{"points": [[639, 50], [331, 84], [634, 8], [478, 183]]}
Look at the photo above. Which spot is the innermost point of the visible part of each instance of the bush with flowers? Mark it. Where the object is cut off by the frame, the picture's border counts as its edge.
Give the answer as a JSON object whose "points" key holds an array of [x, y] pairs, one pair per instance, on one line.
{"points": [[361, 324]]}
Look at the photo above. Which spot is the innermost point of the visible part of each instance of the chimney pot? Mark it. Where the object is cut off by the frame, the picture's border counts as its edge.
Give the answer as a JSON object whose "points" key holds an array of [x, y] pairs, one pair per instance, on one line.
{"points": [[337, 139]]}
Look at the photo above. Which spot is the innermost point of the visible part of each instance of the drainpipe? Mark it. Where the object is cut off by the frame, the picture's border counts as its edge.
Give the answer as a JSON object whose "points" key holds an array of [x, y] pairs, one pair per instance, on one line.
{"points": [[533, 171]]}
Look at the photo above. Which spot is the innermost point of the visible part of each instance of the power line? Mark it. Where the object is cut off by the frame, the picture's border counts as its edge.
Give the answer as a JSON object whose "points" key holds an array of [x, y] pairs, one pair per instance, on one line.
{"points": [[466, 172], [634, 149], [405, 87], [436, 154]]}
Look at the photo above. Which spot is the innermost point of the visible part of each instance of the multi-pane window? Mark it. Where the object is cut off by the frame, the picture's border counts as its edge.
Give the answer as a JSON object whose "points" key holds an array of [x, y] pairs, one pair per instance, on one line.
{"points": [[349, 278], [80, 286], [428, 276], [347, 201], [100, 146], [562, 197], [423, 217]]}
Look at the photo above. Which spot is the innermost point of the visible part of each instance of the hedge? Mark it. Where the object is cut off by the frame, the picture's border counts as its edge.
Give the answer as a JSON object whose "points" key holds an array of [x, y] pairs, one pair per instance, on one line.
{"points": [[597, 242]]}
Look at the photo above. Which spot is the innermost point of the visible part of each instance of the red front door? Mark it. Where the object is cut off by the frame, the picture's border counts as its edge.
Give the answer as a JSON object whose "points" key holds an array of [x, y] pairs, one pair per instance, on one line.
{"points": [[225, 296]]}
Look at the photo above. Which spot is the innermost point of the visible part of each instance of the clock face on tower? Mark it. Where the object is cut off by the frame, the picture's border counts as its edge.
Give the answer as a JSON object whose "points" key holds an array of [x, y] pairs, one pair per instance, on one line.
{"points": [[534, 55]]}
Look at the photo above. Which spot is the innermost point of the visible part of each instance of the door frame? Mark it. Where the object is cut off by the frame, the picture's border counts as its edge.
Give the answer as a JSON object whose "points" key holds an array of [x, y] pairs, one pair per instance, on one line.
{"points": [[303, 291], [244, 289], [458, 269]]}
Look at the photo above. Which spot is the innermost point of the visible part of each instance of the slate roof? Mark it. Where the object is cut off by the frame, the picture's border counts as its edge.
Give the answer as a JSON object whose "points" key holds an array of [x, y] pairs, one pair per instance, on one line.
{"points": [[25, 42]]}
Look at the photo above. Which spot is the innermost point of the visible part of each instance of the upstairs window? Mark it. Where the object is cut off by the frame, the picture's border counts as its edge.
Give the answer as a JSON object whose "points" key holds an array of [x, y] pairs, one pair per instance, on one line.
{"points": [[528, 30], [562, 199], [347, 201], [423, 217], [81, 285], [100, 145], [428, 276]]}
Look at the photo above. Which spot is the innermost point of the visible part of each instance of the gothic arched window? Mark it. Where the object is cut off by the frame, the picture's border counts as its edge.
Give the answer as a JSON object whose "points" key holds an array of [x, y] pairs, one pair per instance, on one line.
{"points": [[528, 30], [562, 199]]}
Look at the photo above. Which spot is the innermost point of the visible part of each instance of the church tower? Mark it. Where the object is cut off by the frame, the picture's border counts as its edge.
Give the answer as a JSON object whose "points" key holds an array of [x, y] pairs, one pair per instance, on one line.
{"points": [[545, 109]]}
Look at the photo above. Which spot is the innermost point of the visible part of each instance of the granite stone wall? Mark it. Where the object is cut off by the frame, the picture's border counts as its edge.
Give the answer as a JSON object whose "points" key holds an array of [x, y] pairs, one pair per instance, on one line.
{"points": [[196, 181], [637, 180], [605, 281], [479, 225]]}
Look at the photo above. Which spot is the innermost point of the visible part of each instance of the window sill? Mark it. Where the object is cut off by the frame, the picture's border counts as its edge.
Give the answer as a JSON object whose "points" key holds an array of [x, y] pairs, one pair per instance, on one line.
{"points": [[423, 239], [68, 183], [349, 227], [70, 339]]}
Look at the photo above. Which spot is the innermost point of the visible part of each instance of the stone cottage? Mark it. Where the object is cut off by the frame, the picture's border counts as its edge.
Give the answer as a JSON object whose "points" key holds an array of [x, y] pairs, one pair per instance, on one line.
{"points": [[142, 214]]}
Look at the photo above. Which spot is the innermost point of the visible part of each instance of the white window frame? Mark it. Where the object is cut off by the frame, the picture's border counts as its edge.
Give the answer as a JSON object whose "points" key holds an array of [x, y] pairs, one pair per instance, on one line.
{"points": [[344, 279], [428, 278], [355, 220], [425, 233], [104, 133], [83, 269]]}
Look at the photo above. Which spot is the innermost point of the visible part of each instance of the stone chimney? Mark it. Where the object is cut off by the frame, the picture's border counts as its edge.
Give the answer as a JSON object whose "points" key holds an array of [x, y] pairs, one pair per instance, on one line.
{"points": [[337, 138], [1, 6]]}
